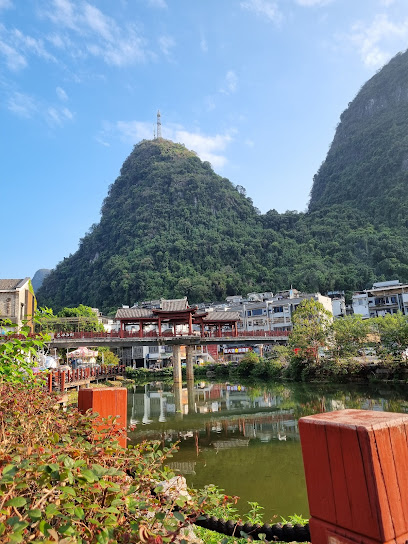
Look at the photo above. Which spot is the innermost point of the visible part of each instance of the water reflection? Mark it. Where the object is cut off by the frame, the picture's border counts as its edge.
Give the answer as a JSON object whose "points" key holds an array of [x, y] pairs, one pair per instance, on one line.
{"points": [[245, 438]]}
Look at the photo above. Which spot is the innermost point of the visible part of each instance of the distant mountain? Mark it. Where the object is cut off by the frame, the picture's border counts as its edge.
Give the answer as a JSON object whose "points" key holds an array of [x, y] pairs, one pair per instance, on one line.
{"points": [[39, 277], [170, 226], [366, 167]]}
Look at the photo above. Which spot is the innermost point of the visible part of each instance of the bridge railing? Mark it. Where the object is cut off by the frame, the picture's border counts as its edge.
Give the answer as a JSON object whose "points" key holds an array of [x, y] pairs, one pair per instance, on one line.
{"points": [[61, 379], [154, 334]]}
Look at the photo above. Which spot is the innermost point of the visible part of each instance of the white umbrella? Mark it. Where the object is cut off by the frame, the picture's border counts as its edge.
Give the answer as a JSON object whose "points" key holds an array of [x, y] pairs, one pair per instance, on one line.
{"points": [[83, 353]]}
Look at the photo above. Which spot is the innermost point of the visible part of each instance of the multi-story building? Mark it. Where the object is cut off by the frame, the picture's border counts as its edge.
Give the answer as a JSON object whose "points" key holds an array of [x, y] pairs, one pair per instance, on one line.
{"points": [[17, 302], [275, 313], [386, 297]]}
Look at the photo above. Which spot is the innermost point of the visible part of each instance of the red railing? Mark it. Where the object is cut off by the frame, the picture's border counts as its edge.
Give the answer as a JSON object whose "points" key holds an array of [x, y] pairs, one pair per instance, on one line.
{"points": [[61, 379], [154, 334]]}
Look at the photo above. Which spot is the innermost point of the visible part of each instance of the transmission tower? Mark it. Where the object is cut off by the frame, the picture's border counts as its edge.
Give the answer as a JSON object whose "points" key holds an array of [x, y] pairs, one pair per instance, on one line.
{"points": [[159, 135]]}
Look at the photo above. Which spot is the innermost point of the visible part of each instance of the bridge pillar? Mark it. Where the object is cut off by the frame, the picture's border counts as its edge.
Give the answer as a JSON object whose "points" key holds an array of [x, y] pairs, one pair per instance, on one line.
{"points": [[177, 377], [189, 362], [178, 399], [356, 467], [190, 396]]}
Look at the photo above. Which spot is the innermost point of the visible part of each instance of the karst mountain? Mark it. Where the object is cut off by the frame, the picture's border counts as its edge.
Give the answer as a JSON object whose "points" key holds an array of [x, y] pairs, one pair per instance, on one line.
{"points": [[170, 226]]}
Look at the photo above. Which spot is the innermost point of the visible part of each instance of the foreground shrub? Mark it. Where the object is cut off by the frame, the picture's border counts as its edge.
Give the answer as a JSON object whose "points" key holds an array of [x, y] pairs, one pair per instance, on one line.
{"points": [[62, 481]]}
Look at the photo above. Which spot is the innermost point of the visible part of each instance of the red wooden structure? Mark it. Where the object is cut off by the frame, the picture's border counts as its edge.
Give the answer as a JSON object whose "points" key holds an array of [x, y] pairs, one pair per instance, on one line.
{"points": [[61, 380], [356, 467], [109, 401], [173, 314], [167, 334]]}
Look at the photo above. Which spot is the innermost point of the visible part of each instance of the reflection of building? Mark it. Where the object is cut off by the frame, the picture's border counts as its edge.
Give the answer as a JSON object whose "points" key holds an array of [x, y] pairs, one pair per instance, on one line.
{"points": [[17, 301], [151, 405]]}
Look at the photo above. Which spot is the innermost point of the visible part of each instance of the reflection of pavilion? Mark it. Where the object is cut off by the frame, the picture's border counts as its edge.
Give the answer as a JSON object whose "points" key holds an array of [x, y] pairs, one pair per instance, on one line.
{"points": [[216, 403]]}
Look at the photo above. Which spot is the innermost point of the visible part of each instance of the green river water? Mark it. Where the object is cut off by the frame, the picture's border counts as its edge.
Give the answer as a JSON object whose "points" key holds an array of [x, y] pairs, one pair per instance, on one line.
{"points": [[244, 438]]}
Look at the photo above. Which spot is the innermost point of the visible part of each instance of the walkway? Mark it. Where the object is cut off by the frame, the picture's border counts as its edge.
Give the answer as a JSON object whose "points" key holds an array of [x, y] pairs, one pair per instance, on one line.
{"points": [[127, 338]]}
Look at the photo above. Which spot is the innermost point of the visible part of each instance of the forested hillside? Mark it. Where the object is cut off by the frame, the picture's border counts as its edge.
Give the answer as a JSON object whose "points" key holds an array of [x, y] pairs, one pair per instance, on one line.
{"points": [[172, 227]]}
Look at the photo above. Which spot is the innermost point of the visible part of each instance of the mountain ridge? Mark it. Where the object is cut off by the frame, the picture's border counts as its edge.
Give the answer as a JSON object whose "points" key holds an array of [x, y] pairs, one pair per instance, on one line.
{"points": [[171, 227]]}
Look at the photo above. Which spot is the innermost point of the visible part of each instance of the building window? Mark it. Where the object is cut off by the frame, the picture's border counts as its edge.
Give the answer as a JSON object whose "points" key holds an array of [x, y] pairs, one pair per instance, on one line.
{"points": [[8, 306]]}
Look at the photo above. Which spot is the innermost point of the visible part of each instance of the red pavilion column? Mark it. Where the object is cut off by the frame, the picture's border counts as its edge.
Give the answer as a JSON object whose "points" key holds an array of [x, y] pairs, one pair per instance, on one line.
{"points": [[141, 329], [159, 332], [190, 324]]}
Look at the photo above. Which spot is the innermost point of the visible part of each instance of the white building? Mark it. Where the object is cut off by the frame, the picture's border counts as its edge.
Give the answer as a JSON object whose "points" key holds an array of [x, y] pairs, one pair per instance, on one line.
{"points": [[387, 297], [275, 314]]}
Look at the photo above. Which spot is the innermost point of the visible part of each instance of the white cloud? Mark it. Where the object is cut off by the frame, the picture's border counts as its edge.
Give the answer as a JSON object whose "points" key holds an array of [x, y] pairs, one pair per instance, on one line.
{"points": [[133, 131], [98, 22], [16, 48], [62, 12], [27, 106], [22, 105], [387, 3], [230, 83], [203, 45], [30, 45], [14, 59], [62, 95], [376, 41], [166, 44], [57, 116], [5, 4], [311, 3], [208, 148], [102, 36], [264, 8], [157, 3]]}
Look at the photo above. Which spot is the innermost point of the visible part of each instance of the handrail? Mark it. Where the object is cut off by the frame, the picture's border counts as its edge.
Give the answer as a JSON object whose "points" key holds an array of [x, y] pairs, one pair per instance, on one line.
{"points": [[154, 334]]}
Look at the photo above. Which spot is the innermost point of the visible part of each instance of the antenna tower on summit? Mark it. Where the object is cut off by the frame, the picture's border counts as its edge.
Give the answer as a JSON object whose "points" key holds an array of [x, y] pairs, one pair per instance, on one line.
{"points": [[159, 135]]}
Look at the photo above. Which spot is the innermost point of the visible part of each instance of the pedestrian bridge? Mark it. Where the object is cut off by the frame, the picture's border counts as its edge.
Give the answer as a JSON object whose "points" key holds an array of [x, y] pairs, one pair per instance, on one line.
{"points": [[122, 338]]}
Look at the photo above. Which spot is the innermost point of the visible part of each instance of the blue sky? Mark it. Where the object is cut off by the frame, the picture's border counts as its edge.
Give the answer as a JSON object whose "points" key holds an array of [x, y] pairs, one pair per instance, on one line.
{"points": [[254, 86]]}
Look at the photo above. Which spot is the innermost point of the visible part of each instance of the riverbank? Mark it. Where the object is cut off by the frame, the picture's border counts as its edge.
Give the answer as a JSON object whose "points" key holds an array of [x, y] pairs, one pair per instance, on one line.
{"points": [[362, 370]]}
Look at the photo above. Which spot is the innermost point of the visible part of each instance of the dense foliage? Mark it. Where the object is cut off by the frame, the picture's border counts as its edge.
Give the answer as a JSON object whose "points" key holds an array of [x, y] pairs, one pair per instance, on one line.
{"points": [[61, 481], [171, 227], [18, 354], [81, 318]]}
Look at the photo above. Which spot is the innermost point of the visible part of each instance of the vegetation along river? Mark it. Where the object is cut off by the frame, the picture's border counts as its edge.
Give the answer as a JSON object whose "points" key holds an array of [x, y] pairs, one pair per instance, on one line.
{"points": [[244, 438]]}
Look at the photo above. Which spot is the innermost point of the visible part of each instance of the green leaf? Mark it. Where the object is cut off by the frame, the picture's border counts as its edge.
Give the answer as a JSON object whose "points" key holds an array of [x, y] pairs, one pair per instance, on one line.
{"points": [[35, 513], [78, 512], [43, 527], [67, 529], [9, 470], [51, 510], [88, 475], [179, 516], [68, 462], [103, 537], [66, 490], [16, 501]]}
